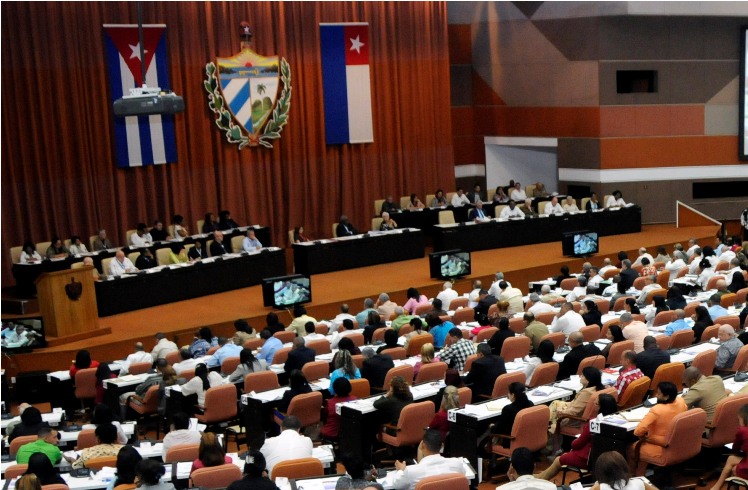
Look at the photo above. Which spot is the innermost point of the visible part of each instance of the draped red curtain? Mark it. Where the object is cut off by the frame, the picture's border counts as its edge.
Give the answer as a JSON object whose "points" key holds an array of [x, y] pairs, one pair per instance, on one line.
{"points": [[58, 171]]}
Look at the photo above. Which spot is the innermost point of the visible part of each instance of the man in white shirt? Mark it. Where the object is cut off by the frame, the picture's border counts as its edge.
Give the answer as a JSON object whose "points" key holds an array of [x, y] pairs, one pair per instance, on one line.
{"points": [[459, 198], [186, 363], [121, 265], [692, 246], [595, 278], [553, 207], [250, 243], [385, 307], [570, 205], [495, 290], [734, 267], [140, 355], [579, 291], [538, 306], [517, 194], [693, 265], [140, 238], [430, 463], [162, 347], [649, 286], [179, 433], [338, 320], [511, 211], [567, 320], [521, 473], [447, 294], [633, 330], [311, 333], [615, 201], [336, 336], [674, 265], [475, 294], [607, 265], [643, 253], [706, 271], [513, 296], [290, 444]]}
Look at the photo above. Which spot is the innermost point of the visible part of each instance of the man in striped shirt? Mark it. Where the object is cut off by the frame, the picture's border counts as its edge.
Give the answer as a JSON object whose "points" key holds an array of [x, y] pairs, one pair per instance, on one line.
{"points": [[629, 372]]}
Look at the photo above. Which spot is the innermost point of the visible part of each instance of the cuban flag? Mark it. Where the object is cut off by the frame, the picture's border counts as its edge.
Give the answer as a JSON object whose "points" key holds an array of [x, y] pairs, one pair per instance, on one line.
{"points": [[139, 140], [346, 83]]}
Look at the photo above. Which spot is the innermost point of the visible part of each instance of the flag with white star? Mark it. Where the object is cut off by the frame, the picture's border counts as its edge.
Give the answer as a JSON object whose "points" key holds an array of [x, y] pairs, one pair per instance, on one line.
{"points": [[139, 140], [346, 83]]}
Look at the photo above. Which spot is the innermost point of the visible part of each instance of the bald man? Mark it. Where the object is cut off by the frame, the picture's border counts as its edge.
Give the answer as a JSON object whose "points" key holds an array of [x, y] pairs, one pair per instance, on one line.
{"points": [[703, 391], [678, 324], [140, 355], [574, 357], [729, 347], [121, 265]]}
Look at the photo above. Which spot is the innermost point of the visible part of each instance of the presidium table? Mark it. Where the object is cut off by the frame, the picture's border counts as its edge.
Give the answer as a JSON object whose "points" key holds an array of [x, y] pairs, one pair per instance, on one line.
{"points": [[497, 233]]}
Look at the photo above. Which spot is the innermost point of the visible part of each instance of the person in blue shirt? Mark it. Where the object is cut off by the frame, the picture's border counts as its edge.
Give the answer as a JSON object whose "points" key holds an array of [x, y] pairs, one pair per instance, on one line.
{"points": [[678, 324], [268, 349], [227, 349], [203, 341], [715, 308], [362, 316], [344, 368], [438, 329]]}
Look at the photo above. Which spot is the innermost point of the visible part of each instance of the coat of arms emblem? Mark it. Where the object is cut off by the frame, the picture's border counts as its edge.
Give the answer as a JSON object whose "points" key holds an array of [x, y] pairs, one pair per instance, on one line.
{"points": [[250, 94], [74, 289]]}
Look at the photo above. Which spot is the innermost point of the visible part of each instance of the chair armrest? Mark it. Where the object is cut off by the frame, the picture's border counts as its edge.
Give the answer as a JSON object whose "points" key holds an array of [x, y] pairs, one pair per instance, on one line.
{"points": [[134, 397], [503, 436], [391, 427]]}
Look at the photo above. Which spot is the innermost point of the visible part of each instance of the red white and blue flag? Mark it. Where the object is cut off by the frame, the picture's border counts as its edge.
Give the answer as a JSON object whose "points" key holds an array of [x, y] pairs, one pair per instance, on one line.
{"points": [[346, 83], [139, 140]]}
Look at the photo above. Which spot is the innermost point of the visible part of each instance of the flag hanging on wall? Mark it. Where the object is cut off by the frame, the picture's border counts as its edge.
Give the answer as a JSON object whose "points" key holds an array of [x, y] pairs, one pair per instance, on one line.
{"points": [[346, 83], [139, 140]]}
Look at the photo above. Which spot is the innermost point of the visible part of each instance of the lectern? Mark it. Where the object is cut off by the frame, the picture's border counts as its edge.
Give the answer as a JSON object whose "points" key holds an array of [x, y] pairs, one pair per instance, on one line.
{"points": [[67, 300]]}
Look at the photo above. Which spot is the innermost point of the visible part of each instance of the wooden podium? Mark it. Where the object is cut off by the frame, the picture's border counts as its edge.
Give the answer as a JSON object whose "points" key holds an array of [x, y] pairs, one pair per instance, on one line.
{"points": [[67, 300]]}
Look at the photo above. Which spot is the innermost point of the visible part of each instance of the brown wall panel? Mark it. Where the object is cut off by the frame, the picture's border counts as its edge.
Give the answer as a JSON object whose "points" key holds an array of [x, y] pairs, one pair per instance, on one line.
{"points": [[651, 120], [463, 121], [460, 44], [469, 150], [578, 153], [668, 152], [538, 121]]}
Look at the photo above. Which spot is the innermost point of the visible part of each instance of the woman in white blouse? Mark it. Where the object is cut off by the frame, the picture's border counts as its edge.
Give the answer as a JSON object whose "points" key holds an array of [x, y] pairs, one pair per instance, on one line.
{"points": [[76, 246], [29, 255], [200, 384], [570, 205]]}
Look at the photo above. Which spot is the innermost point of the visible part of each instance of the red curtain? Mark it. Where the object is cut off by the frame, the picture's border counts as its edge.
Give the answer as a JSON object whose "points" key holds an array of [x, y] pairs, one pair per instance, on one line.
{"points": [[58, 172]]}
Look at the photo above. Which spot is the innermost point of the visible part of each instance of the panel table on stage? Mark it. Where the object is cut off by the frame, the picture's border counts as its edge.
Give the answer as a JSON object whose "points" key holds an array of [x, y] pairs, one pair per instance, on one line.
{"points": [[378, 247], [497, 233]]}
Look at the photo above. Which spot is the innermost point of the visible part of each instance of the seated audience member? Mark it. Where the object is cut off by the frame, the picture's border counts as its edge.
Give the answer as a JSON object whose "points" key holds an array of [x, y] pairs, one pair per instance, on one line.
{"points": [[57, 249], [120, 265], [447, 295], [415, 203], [500, 196], [202, 342], [270, 347], [415, 299], [341, 389], [45, 471], [101, 242], [187, 361], [678, 324], [485, 302], [553, 207], [344, 368], [299, 355], [210, 453], [438, 307], [384, 306], [345, 228], [591, 379], [615, 200], [521, 471], [715, 308], [179, 229], [178, 254], [389, 205], [534, 329], [701, 320], [737, 464], [496, 342], [519, 401], [484, 371], [148, 474], [310, 332], [141, 237], [511, 212], [375, 367], [430, 463], [581, 446], [567, 320], [225, 222], [564, 275], [226, 349], [299, 236], [527, 209], [392, 403], [513, 296], [417, 325], [106, 438], [401, 318], [579, 351], [298, 385], [347, 345], [579, 291], [273, 324], [390, 341], [146, 260], [590, 313], [570, 205], [459, 198], [593, 204], [737, 283], [103, 414], [539, 306], [703, 391], [255, 474], [210, 224], [476, 195], [477, 213], [244, 332], [484, 324], [540, 190], [218, 247], [729, 345], [363, 316], [76, 246], [201, 383], [348, 329], [29, 255], [387, 223], [631, 307], [612, 471], [373, 323], [158, 232], [518, 193], [457, 353], [648, 268], [103, 373], [656, 424], [544, 354], [250, 243], [248, 364], [127, 459], [288, 445], [659, 304], [615, 335], [450, 401], [180, 433], [138, 356], [439, 200], [82, 361], [706, 271], [629, 372], [651, 357], [299, 321], [46, 443]]}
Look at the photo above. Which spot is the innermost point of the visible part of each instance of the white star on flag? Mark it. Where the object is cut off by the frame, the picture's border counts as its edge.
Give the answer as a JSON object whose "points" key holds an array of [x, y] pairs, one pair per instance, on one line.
{"points": [[136, 51], [356, 44]]}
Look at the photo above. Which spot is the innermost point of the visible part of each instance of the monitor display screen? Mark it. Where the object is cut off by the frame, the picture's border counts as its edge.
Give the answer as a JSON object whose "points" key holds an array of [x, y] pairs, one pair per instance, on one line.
{"points": [[286, 291], [580, 243], [449, 264], [26, 334]]}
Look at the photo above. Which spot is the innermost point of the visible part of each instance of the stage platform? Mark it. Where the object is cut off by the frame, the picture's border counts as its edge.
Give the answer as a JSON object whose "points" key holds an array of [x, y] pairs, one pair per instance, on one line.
{"points": [[180, 320]]}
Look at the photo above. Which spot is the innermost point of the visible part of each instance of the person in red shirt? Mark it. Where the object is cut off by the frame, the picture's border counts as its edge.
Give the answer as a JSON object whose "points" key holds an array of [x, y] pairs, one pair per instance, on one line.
{"points": [[342, 388], [450, 401], [209, 453], [629, 372], [82, 361], [737, 463]]}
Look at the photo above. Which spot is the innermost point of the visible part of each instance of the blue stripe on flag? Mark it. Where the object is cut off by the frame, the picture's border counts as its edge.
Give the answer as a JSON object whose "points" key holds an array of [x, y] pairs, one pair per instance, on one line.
{"points": [[146, 149], [167, 120], [332, 41], [115, 83]]}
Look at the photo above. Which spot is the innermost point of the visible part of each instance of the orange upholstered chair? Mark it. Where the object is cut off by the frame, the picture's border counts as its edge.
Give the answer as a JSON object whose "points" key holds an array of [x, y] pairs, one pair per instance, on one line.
{"points": [[254, 344], [378, 335], [683, 440], [727, 300], [321, 346], [569, 284], [406, 371], [215, 476], [433, 371], [322, 328], [544, 374], [618, 305], [590, 412], [634, 393], [741, 295], [458, 302], [182, 452], [316, 370], [220, 405], [464, 315], [15, 470], [146, 406], [285, 337], [709, 332], [85, 384], [501, 385], [517, 324], [229, 365], [594, 361], [590, 333], [725, 422], [416, 342], [260, 381], [102, 461], [525, 431], [139, 367], [469, 362], [733, 320], [465, 395], [705, 362], [664, 341], [515, 347], [663, 278], [617, 350], [212, 350], [86, 438], [19, 441], [671, 371], [281, 355], [546, 317], [663, 318], [414, 419], [657, 292], [423, 309], [740, 361], [557, 338], [61, 486], [486, 334], [187, 374], [447, 481], [360, 388], [307, 407], [298, 468], [681, 339], [396, 353], [173, 357], [357, 339]]}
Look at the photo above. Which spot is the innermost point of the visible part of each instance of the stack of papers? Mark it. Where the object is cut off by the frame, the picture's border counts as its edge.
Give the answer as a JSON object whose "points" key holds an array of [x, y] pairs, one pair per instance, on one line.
{"points": [[497, 405], [636, 415]]}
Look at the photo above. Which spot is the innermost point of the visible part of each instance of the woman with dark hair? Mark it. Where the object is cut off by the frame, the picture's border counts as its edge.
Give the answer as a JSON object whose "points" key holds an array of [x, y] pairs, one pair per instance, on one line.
{"points": [[82, 361], [41, 466], [701, 320], [500, 196], [591, 314], [102, 374], [545, 352], [439, 199], [612, 473], [298, 235], [355, 470], [341, 389], [415, 299], [620, 293], [148, 473], [496, 342], [31, 422], [57, 249], [373, 322], [29, 255], [255, 474], [348, 345], [210, 453], [591, 380], [656, 424], [659, 303], [102, 414], [738, 282], [225, 222], [581, 446], [631, 306], [178, 254], [76, 246], [390, 341], [615, 335], [662, 255], [393, 402], [179, 230], [202, 382], [202, 342], [675, 299], [127, 458], [298, 384], [209, 223], [415, 202], [248, 363], [344, 368], [273, 323], [519, 401]]}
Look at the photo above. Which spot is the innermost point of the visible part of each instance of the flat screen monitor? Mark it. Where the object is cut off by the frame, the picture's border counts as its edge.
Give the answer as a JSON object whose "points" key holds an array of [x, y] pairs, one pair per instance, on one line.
{"points": [[580, 243], [449, 264], [23, 334], [286, 291]]}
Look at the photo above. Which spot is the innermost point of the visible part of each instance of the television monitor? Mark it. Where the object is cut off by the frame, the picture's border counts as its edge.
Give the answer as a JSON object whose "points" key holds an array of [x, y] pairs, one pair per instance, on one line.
{"points": [[449, 264], [23, 334], [286, 291], [580, 243]]}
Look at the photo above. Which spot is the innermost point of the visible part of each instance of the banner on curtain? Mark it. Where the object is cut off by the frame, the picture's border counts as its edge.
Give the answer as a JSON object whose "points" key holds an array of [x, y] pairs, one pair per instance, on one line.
{"points": [[139, 140], [346, 83]]}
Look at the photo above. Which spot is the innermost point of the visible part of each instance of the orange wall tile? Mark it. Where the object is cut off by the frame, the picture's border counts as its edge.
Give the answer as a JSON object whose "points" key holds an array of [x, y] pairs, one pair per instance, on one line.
{"points": [[463, 121], [651, 120], [580, 122], [668, 152], [469, 150], [460, 44]]}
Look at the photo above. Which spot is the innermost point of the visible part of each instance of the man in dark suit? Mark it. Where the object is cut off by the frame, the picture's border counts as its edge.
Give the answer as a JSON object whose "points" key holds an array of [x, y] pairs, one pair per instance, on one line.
{"points": [[197, 252], [477, 213], [217, 248], [651, 357], [476, 195], [345, 228], [300, 355], [485, 301], [375, 367], [628, 275], [484, 371], [574, 357]]}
